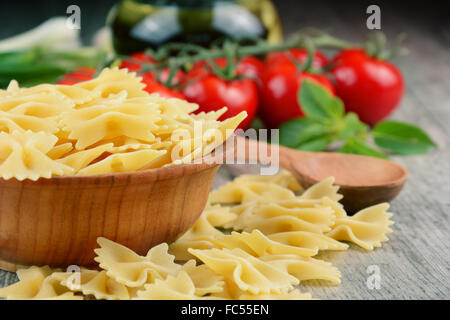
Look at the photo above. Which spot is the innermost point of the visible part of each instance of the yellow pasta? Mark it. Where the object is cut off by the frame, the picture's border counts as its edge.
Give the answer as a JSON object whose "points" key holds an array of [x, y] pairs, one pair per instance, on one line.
{"points": [[257, 244], [203, 233], [23, 155], [284, 179], [10, 122], [94, 283], [249, 191], [275, 217], [123, 162], [131, 269], [146, 131], [283, 232], [322, 189], [245, 271], [178, 287], [114, 81], [204, 279], [367, 228], [303, 239], [37, 284], [81, 159], [304, 268]]}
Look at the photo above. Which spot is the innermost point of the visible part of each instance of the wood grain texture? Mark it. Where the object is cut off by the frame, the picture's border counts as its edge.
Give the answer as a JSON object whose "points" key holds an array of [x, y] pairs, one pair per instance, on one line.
{"points": [[415, 262], [57, 221]]}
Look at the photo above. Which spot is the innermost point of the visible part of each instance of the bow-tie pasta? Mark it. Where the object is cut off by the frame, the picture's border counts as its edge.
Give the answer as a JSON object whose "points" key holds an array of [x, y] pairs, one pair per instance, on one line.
{"points": [[245, 271], [23, 155], [251, 245], [134, 270], [37, 284], [105, 125]]}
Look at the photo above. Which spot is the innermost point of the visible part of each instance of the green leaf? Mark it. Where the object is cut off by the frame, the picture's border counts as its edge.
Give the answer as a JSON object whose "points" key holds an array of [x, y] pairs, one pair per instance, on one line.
{"points": [[353, 127], [402, 138], [299, 131], [316, 144], [318, 104], [357, 146]]}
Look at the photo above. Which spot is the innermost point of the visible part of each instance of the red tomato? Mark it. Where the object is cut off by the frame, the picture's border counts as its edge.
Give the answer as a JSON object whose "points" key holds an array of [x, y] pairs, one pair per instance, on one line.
{"points": [[370, 87], [211, 93], [136, 60], [279, 99], [300, 55], [79, 75], [249, 66], [154, 86]]}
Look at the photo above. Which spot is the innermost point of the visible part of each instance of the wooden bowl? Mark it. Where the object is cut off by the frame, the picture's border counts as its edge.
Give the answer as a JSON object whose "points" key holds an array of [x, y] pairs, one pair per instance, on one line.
{"points": [[56, 221]]}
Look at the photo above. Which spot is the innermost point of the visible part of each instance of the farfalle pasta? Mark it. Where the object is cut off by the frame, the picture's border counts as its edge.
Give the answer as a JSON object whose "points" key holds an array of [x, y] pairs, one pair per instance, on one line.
{"points": [[23, 155], [106, 125], [94, 283], [247, 244], [245, 271], [37, 283], [134, 270], [367, 228]]}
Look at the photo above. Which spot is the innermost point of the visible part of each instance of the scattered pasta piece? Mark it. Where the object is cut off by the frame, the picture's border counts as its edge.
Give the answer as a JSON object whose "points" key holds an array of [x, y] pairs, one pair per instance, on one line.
{"points": [[303, 239], [233, 192], [324, 188], [95, 283], [274, 217], [268, 245], [179, 287], [131, 269], [204, 279], [257, 244], [37, 284], [284, 179], [367, 228], [304, 268], [245, 271]]}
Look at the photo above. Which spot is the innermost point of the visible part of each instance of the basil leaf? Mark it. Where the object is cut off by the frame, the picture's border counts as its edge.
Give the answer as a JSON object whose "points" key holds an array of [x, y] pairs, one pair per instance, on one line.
{"points": [[353, 127], [316, 144], [298, 131], [318, 104], [402, 138], [356, 146]]}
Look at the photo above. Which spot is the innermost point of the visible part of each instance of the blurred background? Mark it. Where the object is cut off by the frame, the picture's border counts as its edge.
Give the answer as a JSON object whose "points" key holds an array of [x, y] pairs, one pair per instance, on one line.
{"points": [[344, 18], [426, 24]]}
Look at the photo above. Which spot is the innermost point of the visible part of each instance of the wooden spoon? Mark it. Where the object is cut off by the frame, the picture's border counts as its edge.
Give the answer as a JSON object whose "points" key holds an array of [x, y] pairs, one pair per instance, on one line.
{"points": [[363, 181]]}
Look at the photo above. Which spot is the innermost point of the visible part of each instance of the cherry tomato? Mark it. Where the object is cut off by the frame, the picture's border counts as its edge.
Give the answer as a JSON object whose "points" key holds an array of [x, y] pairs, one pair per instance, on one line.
{"points": [[249, 66], [212, 93], [370, 87], [281, 84], [153, 85], [79, 75], [299, 55], [136, 60]]}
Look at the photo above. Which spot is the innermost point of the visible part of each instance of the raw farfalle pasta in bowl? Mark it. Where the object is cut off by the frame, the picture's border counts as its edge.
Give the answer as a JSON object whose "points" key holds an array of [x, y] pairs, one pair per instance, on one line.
{"points": [[230, 252], [100, 158], [105, 125]]}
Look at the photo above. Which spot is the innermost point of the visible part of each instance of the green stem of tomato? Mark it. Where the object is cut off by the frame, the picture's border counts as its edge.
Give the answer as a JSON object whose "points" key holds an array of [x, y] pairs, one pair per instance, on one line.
{"points": [[242, 51]]}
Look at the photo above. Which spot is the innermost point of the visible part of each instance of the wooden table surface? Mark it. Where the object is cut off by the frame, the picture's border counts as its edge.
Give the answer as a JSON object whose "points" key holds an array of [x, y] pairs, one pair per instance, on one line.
{"points": [[415, 262]]}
